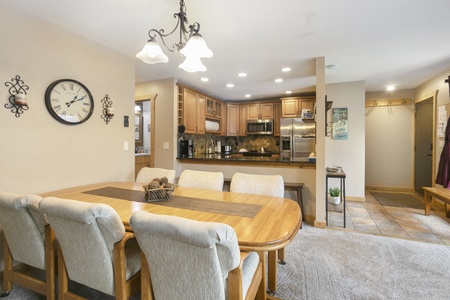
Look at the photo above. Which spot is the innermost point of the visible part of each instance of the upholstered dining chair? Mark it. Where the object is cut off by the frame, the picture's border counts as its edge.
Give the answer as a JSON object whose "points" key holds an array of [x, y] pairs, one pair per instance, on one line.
{"points": [[187, 259], [28, 240], [94, 248], [269, 185], [146, 174], [201, 180]]}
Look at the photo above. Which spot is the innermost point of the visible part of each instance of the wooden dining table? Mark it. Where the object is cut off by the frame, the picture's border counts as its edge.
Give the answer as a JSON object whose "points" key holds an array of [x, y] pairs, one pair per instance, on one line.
{"points": [[261, 223]]}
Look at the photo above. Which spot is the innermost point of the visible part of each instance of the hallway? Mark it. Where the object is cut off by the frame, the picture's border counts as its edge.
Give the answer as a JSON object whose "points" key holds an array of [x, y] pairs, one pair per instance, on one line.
{"points": [[406, 223]]}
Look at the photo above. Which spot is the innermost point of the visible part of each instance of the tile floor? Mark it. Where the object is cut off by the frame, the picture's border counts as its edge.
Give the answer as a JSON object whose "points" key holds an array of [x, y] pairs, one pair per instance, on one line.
{"points": [[407, 223]]}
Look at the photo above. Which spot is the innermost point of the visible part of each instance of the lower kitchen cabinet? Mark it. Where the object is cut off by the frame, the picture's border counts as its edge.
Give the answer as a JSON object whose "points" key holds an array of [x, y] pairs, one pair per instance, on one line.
{"points": [[141, 161]]}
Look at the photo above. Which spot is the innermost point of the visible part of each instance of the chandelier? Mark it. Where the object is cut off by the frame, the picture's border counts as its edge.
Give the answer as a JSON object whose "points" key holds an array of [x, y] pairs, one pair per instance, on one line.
{"points": [[191, 44]]}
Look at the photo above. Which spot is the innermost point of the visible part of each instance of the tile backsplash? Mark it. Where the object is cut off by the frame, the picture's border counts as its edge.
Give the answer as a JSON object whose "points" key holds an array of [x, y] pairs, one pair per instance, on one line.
{"points": [[251, 143]]}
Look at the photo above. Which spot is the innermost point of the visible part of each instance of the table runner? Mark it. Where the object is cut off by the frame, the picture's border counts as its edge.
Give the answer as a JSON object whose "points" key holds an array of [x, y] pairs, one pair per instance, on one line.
{"points": [[205, 205]]}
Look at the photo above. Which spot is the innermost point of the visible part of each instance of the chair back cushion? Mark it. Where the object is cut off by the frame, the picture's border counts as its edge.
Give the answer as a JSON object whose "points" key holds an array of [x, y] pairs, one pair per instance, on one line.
{"points": [[86, 233], [24, 227], [201, 180], [269, 185], [146, 174], [187, 259]]}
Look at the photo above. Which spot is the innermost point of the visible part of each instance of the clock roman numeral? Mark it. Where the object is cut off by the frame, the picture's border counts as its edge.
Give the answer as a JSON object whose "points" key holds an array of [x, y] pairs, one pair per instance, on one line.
{"points": [[55, 100], [86, 103], [79, 117], [63, 113], [71, 86], [84, 110], [57, 107], [62, 86]]}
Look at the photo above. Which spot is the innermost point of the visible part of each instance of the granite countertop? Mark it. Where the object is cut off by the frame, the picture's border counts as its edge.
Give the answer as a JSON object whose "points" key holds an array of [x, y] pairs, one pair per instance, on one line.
{"points": [[256, 159]]}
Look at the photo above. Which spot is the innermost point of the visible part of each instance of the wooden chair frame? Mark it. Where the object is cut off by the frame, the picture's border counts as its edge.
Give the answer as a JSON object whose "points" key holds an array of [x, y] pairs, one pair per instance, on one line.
{"points": [[13, 274], [123, 288]]}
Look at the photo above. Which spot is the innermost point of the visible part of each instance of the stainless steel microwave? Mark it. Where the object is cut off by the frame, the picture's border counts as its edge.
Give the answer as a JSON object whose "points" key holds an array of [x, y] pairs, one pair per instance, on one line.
{"points": [[259, 127]]}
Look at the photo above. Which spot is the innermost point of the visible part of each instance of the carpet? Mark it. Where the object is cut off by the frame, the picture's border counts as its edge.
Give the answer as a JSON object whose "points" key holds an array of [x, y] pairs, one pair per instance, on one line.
{"points": [[329, 264], [397, 199]]}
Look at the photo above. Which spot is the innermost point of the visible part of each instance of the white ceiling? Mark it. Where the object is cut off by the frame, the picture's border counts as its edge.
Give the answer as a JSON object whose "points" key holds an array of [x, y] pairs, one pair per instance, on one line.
{"points": [[400, 42]]}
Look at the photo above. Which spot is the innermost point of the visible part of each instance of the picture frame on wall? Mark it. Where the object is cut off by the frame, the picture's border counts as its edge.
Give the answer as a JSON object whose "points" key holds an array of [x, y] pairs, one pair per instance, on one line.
{"points": [[339, 123]]}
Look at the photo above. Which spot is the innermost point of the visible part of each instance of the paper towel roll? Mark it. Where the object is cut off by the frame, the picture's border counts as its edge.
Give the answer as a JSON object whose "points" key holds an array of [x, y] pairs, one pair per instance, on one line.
{"points": [[211, 125]]}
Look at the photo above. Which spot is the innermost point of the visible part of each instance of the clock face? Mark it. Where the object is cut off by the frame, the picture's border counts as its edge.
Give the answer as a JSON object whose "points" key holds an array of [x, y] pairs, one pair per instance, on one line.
{"points": [[69, 101]]}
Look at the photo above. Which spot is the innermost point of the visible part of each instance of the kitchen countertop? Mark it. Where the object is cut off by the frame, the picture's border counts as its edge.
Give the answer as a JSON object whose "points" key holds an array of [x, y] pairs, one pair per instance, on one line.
{"points": [[239, 158]]}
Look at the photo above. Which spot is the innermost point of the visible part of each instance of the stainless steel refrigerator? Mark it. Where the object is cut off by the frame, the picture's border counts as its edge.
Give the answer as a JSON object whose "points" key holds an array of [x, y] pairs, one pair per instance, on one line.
{"points": [[297, 138]]}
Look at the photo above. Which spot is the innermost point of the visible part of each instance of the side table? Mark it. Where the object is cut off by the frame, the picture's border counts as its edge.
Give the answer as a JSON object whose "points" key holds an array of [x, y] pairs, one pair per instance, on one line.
{"points": [[341, 176]]}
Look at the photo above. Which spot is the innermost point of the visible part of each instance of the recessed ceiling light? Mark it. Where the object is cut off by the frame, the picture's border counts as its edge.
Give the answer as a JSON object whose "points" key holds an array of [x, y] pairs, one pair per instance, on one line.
{"points": [[279, 80], [287, 69], [390, 87], [288, 92], [204, 79], [247, 95], [230, 85], [242, 74]]}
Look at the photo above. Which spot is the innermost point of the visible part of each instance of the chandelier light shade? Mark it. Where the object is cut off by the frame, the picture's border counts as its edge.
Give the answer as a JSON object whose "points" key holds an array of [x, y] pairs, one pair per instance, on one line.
{"points": [[191, 44], [152, 53], [192, 64]]}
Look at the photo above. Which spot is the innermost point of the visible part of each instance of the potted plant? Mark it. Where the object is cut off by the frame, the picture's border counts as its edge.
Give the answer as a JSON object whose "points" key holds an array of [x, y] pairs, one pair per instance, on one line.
{"points": [[334, 195]]}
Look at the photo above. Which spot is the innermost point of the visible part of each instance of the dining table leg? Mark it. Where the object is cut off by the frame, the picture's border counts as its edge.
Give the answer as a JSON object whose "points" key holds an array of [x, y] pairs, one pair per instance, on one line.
{"points": [[272, 272]]}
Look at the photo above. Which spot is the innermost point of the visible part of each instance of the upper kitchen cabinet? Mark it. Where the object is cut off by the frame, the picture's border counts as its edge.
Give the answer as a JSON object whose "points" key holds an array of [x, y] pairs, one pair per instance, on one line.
{"points": [[256, 111], [276, 118], [233, 120], [193, 111], [297, 107], [214, 108]]}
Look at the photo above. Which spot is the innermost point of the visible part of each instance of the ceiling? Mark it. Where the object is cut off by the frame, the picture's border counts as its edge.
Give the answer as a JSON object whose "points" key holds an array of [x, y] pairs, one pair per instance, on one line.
{"points": [[401, 42]]}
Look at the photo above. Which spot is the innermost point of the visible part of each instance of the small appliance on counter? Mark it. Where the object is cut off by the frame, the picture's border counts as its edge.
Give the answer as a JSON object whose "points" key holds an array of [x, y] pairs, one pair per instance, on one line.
{"points": [[226, 150], [186, 148]]}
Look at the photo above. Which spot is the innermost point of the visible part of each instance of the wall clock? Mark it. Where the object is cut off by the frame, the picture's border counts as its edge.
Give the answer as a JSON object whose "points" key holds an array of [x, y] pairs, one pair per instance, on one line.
{"points": [[69, 101]]}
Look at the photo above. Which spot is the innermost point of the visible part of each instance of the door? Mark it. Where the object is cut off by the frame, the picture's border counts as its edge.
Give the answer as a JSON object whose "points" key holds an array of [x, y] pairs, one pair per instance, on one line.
{"points": [[423, 156]]}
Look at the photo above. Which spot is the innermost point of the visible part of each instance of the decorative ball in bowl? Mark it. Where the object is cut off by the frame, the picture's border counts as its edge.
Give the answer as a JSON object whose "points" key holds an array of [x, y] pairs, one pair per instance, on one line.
{"points": [[159, 189]]}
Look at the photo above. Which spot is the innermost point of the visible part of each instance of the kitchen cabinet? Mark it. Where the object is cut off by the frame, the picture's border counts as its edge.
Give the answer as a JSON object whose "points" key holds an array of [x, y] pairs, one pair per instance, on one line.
{"points": [[260, 111], [141, 161], [214, 108], [233, 120], [194, 109], [276, 118], [292, 107], [243, 120]]}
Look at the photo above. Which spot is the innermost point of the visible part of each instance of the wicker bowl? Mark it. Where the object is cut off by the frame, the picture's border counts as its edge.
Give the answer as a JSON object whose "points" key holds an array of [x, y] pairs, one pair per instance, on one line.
{"points": [[160, 194]]}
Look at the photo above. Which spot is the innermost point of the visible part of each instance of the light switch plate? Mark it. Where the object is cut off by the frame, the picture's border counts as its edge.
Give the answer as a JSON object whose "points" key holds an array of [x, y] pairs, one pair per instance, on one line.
{"points": [[125, 146], [165, 145]]}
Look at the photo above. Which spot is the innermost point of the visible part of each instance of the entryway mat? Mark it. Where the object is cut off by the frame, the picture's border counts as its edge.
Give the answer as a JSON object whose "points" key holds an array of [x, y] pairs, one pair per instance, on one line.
{"points": [[397, 199]]}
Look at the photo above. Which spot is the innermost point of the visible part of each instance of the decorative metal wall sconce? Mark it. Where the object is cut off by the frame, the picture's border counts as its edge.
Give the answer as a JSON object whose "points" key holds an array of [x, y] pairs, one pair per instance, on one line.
{"points": [[17, 96], [108, 111]]}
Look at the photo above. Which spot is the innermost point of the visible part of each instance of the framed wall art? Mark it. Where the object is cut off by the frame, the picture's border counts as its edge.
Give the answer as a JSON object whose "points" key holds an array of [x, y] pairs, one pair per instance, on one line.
{"points": [[340, 123]]}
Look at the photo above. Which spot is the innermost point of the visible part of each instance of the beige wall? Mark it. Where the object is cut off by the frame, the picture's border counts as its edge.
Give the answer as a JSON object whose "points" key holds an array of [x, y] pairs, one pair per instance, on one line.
{"points": [[390, 142], [39, 154], [349, 153]]}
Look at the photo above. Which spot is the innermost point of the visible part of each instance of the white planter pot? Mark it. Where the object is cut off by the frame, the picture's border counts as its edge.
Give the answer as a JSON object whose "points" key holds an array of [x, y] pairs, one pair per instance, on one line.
{"points": [[334, 200]]}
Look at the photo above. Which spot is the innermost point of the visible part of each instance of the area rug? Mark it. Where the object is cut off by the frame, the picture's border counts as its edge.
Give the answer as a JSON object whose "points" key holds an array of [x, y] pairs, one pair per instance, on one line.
{"points": [[324, 264], [397, 199], [330, 264]]}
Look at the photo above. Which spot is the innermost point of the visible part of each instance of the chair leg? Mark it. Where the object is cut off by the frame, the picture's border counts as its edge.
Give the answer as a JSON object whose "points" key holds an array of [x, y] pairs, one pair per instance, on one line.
{"points": [[50, 277], [63, 280], [8, 266]]}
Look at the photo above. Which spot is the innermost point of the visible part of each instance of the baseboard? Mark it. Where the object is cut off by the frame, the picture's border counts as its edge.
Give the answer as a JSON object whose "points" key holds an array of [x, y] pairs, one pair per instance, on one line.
{"points": [[356, 199], [389, 189], [322, 225]]}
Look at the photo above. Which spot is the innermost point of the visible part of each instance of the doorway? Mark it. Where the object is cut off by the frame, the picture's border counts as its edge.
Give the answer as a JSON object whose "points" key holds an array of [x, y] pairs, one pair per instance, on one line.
{"points": [[424, 145], [144, 123]]}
